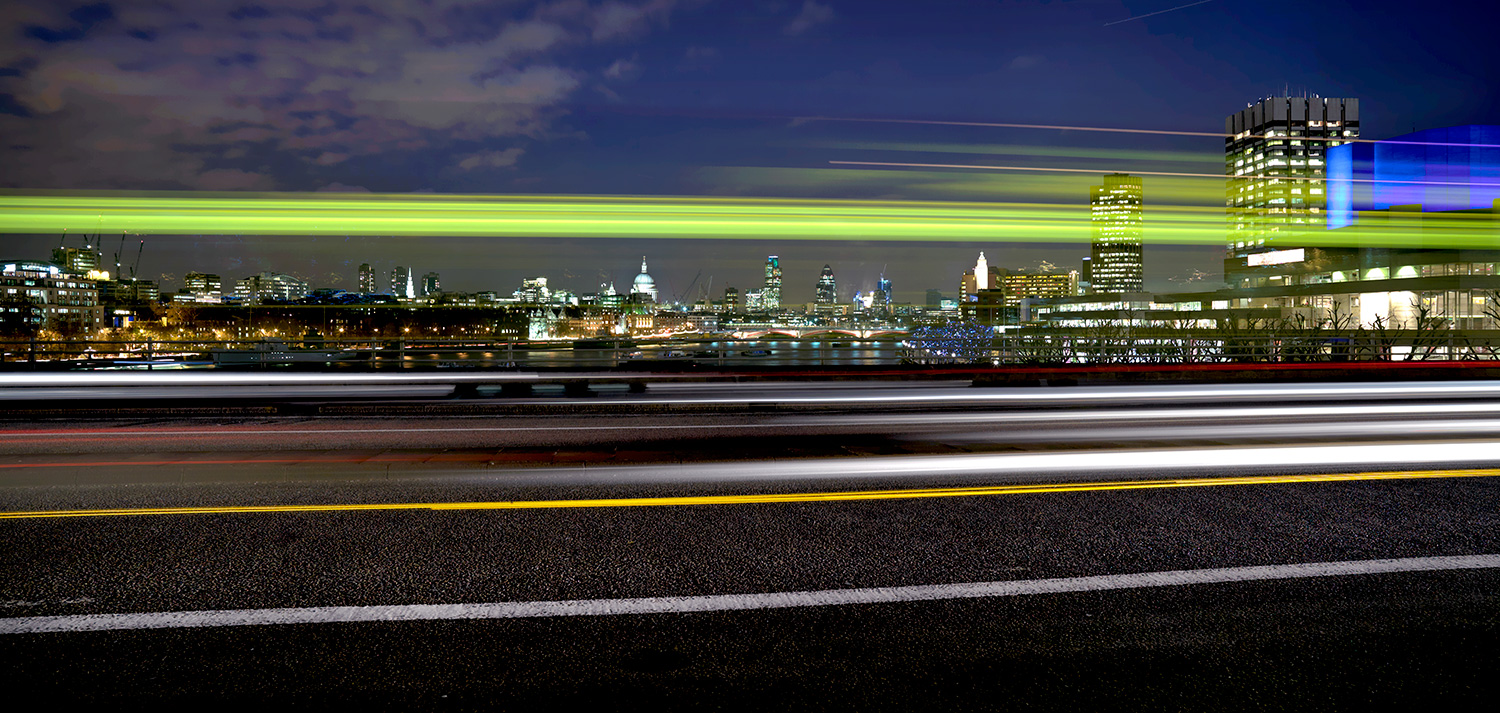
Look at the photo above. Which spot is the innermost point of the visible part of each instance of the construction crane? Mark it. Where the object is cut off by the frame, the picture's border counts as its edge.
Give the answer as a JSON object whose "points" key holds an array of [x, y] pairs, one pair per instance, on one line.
{"points": [[118, 251], [689, 288], [137, 264]]}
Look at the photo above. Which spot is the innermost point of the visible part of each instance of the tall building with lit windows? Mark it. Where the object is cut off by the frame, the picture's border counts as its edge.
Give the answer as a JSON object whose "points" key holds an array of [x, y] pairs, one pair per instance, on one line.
{"points": [[366, 279], [1116, 218], [827, 290], [771, 296], [401, 283], [1275, 158]]}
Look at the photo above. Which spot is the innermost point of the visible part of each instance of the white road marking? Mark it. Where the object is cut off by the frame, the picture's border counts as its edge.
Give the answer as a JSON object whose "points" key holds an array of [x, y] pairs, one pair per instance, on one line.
{"points": [[729, 602]]}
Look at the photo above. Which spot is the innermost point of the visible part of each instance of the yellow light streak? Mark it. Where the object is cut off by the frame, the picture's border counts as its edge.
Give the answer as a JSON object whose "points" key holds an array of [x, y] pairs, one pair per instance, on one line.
{"points": [[775, 498], [686, 217]]}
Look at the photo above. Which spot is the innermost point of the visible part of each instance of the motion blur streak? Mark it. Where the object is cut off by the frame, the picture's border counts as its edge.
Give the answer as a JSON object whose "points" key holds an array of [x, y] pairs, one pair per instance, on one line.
{"points": [[771, 498], [1116, 130], [14, 386], [911, 419], [1218, 176], [668, 217], [731, 602]]}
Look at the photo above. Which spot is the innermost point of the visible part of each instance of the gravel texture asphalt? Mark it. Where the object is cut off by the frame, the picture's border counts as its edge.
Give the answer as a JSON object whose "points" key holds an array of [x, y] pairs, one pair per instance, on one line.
{"points": [[1342, 642]]}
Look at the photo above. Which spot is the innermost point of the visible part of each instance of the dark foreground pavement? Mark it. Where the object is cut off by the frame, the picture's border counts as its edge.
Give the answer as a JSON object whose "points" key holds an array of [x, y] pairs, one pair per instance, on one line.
{"points": [[1352, 641], [1338, 642], [1427, 640]]}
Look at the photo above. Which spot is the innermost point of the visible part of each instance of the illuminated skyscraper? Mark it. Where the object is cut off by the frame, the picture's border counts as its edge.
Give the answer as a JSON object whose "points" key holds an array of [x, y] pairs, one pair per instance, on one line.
{"points": [[828, 292], [731, 299], [430, 284], [770, 297], [1274, 154], [401, 283], [366, 279], [1116, 218]]}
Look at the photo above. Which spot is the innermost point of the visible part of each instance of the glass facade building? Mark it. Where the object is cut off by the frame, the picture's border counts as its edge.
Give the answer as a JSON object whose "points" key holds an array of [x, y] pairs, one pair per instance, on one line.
{"points": [[1447, 169], [1116, 218], [770, 296]]}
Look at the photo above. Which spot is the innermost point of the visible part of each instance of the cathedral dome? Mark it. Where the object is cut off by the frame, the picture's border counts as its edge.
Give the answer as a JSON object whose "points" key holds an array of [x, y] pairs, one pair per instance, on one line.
{"points": [[644, 284]]}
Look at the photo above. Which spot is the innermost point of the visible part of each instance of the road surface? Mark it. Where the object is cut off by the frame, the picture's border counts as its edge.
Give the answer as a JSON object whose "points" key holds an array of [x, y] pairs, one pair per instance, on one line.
{"points": [[1125, 549]]}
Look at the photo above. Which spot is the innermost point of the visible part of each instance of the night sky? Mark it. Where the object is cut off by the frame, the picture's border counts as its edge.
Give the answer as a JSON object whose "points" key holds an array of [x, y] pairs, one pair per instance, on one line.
{"points": [[674, 97]]}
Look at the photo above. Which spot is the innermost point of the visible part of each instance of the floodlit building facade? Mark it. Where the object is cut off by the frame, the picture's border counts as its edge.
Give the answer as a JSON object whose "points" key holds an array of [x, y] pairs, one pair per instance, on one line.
{"points": [[643, 289]]}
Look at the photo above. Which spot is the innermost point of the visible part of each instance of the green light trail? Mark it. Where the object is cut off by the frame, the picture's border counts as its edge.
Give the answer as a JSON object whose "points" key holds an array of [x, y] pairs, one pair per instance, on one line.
{"points": [[669, 217]]}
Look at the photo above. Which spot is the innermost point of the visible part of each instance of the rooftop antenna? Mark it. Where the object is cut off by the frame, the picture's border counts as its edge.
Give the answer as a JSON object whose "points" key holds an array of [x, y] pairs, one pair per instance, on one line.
{"points": [[64, 238]]}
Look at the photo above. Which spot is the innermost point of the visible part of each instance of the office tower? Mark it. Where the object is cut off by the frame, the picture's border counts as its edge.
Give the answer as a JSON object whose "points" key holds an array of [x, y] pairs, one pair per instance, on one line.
{"points": [[533, 290], [883, 292], [366, 279], [644, 287], [828, 292], [1275, 157], [1044, 285], [934, 299], [202, 284], [731, 299], [77, 261], [401, 283], [430, 284], [270, 286], [770, 297], [1086, 276], [1115, 214]]}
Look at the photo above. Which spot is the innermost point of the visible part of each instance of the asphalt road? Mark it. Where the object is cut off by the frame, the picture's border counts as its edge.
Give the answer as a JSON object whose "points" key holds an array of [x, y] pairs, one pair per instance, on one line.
{"points": [[730, 601]]}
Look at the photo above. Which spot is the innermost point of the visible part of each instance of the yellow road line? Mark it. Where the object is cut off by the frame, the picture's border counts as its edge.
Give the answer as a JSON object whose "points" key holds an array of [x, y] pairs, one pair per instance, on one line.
{"points": [[776, 497]]}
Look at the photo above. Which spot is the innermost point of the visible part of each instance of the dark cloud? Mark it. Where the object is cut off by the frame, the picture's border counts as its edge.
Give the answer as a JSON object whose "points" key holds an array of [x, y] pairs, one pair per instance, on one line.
{"points": [[287, 93]]}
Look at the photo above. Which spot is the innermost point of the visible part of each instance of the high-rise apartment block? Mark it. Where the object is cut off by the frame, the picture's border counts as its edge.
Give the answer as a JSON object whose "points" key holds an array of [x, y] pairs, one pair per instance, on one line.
{"points": [[366, 279], [1116, 218], [770, 296], [1275, 157], [828, 292]]}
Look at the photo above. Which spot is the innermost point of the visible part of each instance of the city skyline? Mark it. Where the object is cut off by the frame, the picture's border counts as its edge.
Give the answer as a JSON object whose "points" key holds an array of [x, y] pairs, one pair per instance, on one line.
{"points": [[670, 98]]}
